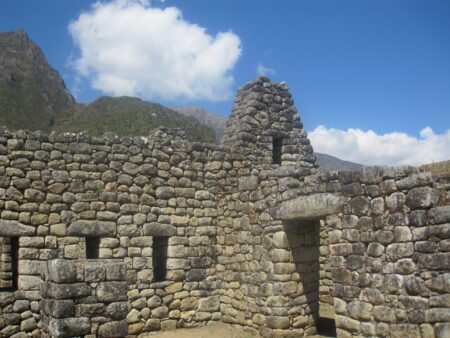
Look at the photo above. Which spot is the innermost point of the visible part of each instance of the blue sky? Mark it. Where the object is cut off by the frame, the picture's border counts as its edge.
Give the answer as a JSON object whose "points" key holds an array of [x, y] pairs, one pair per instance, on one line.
{"points": [[352, 66]]}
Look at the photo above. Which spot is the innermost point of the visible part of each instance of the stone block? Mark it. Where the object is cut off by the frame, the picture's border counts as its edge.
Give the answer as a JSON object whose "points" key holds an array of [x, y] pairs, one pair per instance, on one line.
{"points": [[209, 304], [61, 271], [94, 273], [193, 275], [68, 291], [28, 283], [116, 272], [189, 303], [420, 198], [10, 228], [69, 327], [248, 183], [440, 214], [59, 308], [113, 329], [442, 330], [277, 322], [84, 228], [436, 261], [159, 229], [112, 291], [117, 310], [168, 325]]}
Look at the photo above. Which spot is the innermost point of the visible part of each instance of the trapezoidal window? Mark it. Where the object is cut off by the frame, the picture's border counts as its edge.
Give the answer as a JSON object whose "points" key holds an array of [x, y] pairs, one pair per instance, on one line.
{"points": [[277, 143], [160, 244], [9, 256], [92, 247]]}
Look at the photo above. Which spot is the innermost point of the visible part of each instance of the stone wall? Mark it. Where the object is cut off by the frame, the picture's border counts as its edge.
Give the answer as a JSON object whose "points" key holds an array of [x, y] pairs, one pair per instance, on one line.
{"points": [[234, 254], [390, 254], [59, 190], [85, 299]]}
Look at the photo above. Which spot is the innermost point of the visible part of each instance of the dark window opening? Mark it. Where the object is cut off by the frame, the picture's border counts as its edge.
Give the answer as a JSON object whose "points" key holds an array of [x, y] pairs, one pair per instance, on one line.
{"points": [[277, 143], [160, 258], [9, 263], [326, 327], [92, 247]]}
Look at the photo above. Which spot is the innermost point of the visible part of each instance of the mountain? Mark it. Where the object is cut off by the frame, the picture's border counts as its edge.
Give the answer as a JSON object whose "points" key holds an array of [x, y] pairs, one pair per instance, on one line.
{"points": [[131, 116], [214, 121], [329, 163], [32, 94]]}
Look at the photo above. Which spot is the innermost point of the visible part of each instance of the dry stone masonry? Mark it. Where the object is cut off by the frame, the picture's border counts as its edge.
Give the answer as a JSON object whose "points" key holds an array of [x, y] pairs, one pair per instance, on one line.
{"points": [[116, 237]]}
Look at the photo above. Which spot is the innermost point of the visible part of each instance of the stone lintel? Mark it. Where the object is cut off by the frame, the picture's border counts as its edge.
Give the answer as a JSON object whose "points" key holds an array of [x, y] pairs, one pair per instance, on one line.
{"points": [[91, 228], [15, 229], [309, 207], [159, 229]]}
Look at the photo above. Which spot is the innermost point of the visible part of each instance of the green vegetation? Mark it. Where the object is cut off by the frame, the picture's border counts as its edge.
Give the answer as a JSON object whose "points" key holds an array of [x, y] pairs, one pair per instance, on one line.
{"points": [[130, 116], [33, 96]]}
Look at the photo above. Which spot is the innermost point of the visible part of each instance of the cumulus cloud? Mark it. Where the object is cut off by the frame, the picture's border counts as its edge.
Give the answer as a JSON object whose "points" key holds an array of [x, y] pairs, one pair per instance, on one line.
{"points": [[370, 148], [265, 71], [128, 47]]}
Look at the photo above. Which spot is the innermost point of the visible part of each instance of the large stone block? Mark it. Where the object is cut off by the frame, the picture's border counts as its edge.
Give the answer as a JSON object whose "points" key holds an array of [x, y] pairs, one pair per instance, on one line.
{"points": [[439, 214], [117, 310], [248, 183], [209, 304], [112, 291], [69, 327], [113, 329], [423, 197], [116, 272], [68, 291], [159, 229], [314, 206], [92, 228], [15, 229], [59, 308], [360, 310], [61, 271], [277, 322]]}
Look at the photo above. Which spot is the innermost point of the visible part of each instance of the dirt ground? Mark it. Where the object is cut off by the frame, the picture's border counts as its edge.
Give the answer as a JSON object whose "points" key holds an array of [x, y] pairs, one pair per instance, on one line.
{"points": [[219, 330]]}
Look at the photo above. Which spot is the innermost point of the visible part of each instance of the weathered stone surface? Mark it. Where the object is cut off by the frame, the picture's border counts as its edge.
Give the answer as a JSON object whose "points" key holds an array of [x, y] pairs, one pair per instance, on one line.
{"points": [[159, 229], [69, 327], [440, 214], [117, 310], [91, 228], [360, 310], [248, 183], [61, 271], [112, 291], [10, 228], [113, 329], [210, 304], [59, 308], [68, 291], [423, 197], [276, 322], [309, 207]]}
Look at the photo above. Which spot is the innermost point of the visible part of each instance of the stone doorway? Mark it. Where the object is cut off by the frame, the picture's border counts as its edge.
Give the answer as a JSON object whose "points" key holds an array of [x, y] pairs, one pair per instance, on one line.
{"points": [[305, 240]]}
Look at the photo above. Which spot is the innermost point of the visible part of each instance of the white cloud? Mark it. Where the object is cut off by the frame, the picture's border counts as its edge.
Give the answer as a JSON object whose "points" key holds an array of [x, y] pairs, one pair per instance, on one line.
{"points": [[128, 47], [265, 71], [369, 148]]}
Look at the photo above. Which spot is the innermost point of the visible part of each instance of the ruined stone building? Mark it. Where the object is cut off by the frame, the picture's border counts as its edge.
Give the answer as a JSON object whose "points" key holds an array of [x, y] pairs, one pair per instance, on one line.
{"points": [[109, 237]]}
